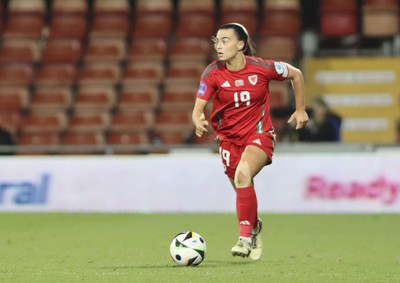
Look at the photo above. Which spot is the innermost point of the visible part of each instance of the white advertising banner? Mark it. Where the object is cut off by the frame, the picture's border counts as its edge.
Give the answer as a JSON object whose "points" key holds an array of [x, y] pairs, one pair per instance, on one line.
{"points": [[299, 183]]}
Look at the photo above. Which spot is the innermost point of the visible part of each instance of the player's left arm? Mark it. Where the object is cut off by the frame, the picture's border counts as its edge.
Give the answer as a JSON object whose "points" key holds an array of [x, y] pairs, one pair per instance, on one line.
{"points": [[300, 115]]}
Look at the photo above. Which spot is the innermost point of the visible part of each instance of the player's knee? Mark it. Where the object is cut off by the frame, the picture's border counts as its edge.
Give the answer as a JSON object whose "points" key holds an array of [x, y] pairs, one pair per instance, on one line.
{"points": [[242, 178]]}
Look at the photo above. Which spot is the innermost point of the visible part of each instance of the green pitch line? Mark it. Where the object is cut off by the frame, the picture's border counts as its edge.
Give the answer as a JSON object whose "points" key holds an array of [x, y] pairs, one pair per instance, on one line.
{"points": [[135, 248]]}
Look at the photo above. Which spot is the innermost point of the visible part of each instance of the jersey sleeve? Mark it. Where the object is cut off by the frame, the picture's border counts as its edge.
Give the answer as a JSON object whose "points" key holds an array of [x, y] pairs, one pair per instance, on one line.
{"points": [[279, 70], [206, 87]]}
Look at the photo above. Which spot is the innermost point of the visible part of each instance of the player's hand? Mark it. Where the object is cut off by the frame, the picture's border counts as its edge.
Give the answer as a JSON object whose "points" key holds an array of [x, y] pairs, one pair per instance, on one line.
{"points": [[201, 125], [301, 118]]}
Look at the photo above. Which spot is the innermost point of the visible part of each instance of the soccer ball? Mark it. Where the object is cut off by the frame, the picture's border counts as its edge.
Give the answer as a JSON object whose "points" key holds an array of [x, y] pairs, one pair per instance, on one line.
{"points": [[188, 249]]}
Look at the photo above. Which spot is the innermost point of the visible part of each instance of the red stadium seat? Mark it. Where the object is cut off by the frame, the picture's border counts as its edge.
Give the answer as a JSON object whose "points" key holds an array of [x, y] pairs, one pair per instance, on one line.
{"points": [[152, 26], [84, 143], [115, 7], [174, 120], [51, 99], [11, 119], [89, 122], [141, 74], [195, 25], [117, 138], [95, 98], [178, 97], [248, 20], [44, 122], [24, 27], [68, 26], [100, 74], [16, 74], [279, 95], [109, 26], [105, 50], [27, 8], [14, 98], [191, 49], [56, 75], [281, 23], [38, 139], [206, 7], [338, 18], [132, 121], [380, 18], [19, 51], [278, 48], [134, 98], [69, 8], [154, 7], [150, 49], [62, 51], [183, 73]]}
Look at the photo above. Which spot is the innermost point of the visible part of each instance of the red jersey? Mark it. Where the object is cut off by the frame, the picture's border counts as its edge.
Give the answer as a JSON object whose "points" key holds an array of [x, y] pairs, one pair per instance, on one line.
{"points": [[240, 98]]}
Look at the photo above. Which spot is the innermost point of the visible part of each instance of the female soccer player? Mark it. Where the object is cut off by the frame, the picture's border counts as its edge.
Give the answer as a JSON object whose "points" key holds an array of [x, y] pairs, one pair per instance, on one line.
{"points": [[237, 84]]}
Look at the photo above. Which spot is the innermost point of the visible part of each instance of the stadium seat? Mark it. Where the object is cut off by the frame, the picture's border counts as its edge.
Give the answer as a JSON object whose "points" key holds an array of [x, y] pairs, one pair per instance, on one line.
{"points": [[11, 119], [279, 94], [195, 25], [38, 143], [83, 143], [338, 18], [152, 26], [68, 26], [173, 120], [62, 51], [154, 7], [16, 74], [248, 20], [172, 137], [183, 73], [145, 73], [278, 48], [138, 138], [205, 7], [115, 7], [105, 50], [281, 23], [243, 12], [100, 74], [14, 99], [191, 49], [19, 51], [380, 18], [89, 121], [132, 121], [109, 26], [24, 27], [133, 98], [69, 8], [44, 122], [27, 8], [178, 97], [148, 50], [95, 98], [51, 99], [54, 74]]}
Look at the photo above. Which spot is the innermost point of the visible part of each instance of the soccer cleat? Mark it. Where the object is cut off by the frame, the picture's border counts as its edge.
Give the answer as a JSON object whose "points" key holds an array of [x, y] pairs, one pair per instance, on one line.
{"points": [[256, 243], [242, 248]]}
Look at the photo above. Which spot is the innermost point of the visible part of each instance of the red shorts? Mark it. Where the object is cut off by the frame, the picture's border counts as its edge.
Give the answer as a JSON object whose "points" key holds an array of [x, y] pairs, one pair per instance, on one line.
{"points": [[231, 152]]}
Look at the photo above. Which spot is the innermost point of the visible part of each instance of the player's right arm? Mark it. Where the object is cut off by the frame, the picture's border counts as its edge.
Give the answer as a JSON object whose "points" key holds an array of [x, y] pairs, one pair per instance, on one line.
{"points": [[198, 117]]}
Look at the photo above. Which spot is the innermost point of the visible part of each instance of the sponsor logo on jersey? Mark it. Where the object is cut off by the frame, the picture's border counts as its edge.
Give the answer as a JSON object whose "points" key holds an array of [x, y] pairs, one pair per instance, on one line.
{"points": [[257, 141], [281, 68], [226, 84], [239, 83], [253, 79], [202, 88]]}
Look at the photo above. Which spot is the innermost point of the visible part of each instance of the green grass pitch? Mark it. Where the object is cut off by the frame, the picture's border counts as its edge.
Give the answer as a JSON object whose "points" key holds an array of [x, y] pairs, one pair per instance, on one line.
{"points": [[55, 247]]}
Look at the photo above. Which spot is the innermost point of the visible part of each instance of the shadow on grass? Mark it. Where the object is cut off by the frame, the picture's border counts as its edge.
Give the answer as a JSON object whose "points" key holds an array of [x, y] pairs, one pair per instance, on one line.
{"points": [[206, 264]]}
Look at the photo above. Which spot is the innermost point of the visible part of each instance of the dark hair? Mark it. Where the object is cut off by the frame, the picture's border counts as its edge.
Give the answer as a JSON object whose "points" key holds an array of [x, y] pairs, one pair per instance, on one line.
{"points": [[242, 34]]}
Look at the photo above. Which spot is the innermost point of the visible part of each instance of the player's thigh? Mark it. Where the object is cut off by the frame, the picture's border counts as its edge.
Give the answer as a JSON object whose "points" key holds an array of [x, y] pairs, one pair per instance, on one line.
{"points": [[252, 160]]}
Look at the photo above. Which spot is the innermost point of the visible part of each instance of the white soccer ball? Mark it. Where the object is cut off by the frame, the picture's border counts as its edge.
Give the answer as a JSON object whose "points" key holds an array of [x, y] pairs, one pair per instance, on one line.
{"points": [[188, 249]]}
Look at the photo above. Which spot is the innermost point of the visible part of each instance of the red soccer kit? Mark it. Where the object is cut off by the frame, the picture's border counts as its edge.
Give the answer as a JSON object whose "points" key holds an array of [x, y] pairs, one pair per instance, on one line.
{"points": [[240, 102], [240, 99]]}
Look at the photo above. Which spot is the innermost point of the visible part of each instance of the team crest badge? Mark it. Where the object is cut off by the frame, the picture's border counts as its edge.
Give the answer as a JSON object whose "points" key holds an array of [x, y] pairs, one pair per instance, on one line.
{"points": [[253, 79]]}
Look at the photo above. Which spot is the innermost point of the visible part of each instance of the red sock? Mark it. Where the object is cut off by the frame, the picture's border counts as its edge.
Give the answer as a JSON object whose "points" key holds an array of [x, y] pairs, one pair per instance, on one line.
{"points": [[246, 209]]}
